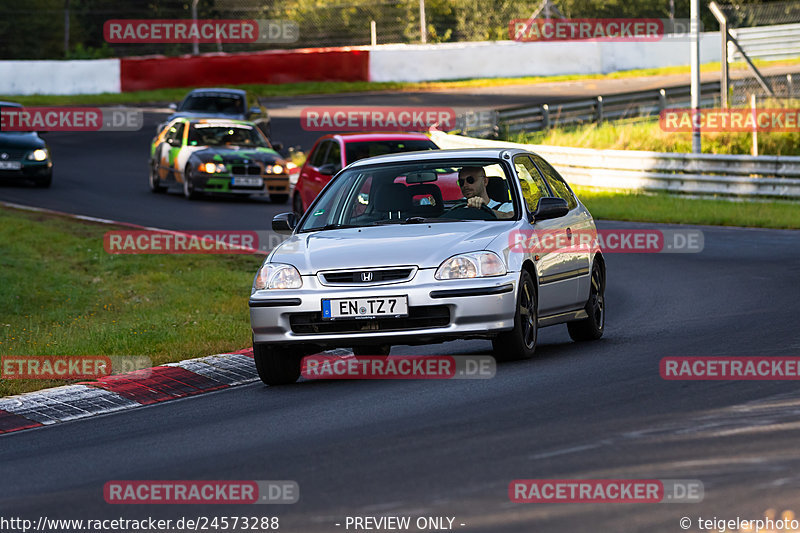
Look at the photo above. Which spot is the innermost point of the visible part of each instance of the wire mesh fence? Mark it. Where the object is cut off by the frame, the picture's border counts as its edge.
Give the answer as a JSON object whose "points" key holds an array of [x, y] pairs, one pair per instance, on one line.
{"points": [[746, 15], [55, 29]]}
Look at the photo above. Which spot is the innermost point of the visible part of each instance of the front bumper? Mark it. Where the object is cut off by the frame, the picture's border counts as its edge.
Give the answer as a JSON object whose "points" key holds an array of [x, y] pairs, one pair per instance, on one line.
{"points": [[438, 310], [29, 169], [214, 183]]}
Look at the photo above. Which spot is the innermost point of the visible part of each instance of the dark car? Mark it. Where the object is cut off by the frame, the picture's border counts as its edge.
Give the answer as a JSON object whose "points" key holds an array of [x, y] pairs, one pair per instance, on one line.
{"points": [[331, 153], [222, 103], [217, 156], [24, 155]]}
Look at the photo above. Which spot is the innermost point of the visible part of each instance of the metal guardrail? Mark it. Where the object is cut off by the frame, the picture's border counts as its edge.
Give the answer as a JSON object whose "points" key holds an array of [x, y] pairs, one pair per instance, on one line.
{"points": [[696, 174], [601, 108], [781, 41]]}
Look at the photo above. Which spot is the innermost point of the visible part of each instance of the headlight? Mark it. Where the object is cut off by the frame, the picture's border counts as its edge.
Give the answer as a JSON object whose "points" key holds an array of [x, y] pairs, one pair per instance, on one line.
{"points": [[212, 168], [40, 154], [274, 169], [277, 276], [473, 265]]}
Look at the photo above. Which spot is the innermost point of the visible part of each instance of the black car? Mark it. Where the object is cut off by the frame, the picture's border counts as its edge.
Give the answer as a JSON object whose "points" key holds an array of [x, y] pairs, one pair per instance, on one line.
{"points": [[221, 103], [23, 154]]}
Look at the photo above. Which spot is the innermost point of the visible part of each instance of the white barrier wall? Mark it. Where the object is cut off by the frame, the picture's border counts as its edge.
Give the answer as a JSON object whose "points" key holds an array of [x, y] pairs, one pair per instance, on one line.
{"points": [[448, 61], [89, 76], [412, 63]]}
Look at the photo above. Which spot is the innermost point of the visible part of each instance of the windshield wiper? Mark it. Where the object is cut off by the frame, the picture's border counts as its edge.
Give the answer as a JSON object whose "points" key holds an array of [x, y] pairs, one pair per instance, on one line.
{"points": [[331, 226], [413, 220]]}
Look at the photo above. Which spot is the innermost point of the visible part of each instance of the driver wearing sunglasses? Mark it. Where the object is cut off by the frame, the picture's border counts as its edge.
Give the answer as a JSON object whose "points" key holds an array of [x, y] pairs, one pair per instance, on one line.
{"points": [[472, 181]]}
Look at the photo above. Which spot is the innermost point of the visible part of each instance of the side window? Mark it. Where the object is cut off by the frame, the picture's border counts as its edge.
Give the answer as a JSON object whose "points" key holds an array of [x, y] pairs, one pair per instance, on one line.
{"points": [[175, 134], [533, 186], [362, 200], [179, 134], [556, 182], [334, 156], [171, 133], [319, 154]]}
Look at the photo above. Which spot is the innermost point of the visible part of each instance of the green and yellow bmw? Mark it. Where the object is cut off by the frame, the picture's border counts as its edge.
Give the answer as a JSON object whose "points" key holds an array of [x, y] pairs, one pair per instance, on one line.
{"points": [[219, 156]]}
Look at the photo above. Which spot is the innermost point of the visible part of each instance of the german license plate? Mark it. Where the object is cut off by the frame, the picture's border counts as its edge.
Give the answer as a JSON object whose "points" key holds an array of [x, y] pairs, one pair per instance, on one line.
{"points": [[394, 306], [248, 182], [10, 165]]}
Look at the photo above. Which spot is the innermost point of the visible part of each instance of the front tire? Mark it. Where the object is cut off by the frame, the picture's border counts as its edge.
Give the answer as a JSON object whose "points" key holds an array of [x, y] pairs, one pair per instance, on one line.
{"points": [[276, 366], [155, 181], [297, 205], [520, 342], [188, 187], [591, 328]]}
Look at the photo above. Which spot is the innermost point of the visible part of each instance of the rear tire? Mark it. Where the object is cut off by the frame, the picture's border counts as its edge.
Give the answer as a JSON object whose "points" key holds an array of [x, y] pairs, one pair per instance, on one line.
{"points": [[372, 349], [520, 342], [278, 198], [591, 328], [276, 366]]}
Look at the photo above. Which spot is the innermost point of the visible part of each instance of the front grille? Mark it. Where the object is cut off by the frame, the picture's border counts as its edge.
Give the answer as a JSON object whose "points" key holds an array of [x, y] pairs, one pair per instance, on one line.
{"points": [[420, 317], [355, 276], [246, 170], [13, 154]]}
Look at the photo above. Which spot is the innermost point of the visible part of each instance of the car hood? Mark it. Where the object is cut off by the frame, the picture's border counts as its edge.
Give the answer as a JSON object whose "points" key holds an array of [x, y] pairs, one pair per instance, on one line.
{"points": [[204, 114], [234, 153], [423, 245], [30, 141]]}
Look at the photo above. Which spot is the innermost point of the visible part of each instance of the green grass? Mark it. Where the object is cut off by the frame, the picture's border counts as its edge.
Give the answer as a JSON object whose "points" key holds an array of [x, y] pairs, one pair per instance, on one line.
{"points": [[165, 96], [661, 207], [62, 294], [648, 135]]}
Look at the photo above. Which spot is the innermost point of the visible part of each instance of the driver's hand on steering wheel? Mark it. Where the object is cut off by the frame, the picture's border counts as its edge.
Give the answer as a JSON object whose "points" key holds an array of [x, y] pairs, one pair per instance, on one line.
{"points": [[475, 201]]}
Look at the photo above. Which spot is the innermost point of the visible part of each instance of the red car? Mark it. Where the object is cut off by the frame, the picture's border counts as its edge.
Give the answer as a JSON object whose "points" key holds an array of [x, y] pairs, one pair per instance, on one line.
{"points": [[332, 152]]}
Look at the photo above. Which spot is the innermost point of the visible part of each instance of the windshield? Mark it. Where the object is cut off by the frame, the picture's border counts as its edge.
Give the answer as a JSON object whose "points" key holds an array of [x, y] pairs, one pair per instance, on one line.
{"points": [[363, 149], [414, 192], [227, 105], [228, 135]]}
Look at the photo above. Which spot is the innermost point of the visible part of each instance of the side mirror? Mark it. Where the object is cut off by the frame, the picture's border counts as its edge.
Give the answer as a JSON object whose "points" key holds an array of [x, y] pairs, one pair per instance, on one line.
{"points": [[173, 106], [277, 146], [328, 169], [284, 223], [550, 207], [255, 110]]}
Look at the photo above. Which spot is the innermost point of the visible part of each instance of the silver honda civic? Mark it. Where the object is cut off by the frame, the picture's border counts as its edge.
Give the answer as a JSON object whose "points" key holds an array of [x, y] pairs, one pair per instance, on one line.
{"points": [[425, 247]]}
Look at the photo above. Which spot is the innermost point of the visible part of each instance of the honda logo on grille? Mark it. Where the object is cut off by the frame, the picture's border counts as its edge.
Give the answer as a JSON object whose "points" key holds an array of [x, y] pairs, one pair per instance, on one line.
{"points": [[366, 276], [4, 156]]}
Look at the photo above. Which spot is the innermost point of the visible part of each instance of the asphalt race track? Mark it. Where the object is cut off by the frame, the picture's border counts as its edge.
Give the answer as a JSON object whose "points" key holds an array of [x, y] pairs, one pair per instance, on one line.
{"points": [[450, 448]]}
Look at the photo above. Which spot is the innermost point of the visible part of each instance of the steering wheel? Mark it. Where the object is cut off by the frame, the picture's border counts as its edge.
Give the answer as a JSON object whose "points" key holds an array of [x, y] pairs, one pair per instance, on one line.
{"points": [[461, 210]]}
